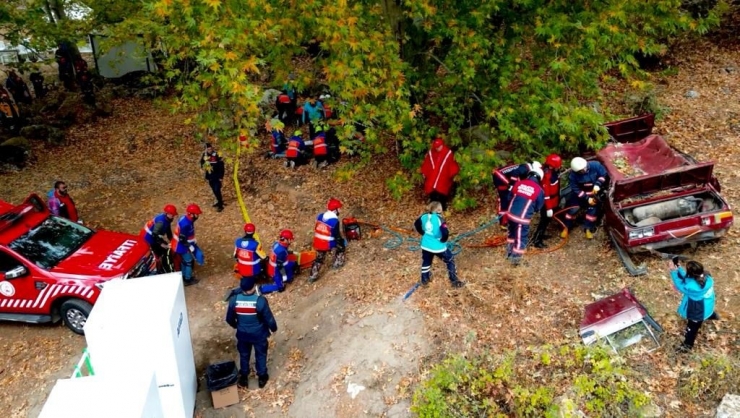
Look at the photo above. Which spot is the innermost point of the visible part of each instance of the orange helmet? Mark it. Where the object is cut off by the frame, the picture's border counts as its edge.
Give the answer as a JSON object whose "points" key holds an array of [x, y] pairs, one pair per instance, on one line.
{"points": [[170, 210], [249, 228], [334, 204], [194, 209], [286, 234], [554, 161]]}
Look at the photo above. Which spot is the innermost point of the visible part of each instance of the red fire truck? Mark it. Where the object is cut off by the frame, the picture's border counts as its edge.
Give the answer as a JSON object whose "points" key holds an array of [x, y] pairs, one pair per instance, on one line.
{"points": [[52, 268]]}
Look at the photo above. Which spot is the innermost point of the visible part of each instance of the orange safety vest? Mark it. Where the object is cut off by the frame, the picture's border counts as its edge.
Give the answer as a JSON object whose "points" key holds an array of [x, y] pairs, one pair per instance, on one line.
{"points": [[319, 146]]}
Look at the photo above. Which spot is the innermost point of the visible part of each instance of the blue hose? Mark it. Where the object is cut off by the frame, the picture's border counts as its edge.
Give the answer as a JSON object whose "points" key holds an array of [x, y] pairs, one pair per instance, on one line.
{"points": [[414, 244]]}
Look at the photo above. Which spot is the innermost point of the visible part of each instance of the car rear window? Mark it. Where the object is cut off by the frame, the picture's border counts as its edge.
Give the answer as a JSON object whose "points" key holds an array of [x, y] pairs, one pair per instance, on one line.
{"points": [[51, 241]]}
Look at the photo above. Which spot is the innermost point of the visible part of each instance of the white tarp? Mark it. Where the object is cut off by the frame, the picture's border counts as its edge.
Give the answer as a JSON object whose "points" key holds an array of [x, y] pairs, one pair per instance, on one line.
{"points": [[117, 61]]}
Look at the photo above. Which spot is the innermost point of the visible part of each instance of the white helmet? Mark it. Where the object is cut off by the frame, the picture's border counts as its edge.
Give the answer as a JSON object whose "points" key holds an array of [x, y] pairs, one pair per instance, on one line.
{"points": [[537, 172], [535, 164], [578, 164]]}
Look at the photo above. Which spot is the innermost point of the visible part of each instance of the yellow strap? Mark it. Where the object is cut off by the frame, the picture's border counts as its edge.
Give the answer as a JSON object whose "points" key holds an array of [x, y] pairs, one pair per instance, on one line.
{"points": [[239, 198]]}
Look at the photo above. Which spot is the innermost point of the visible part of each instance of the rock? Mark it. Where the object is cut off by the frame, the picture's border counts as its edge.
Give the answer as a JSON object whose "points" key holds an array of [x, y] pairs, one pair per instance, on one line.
{"points": [[13, 155], [18, 141], [726, 90], [35, 131], [103, 108], [729, 407], [691, 94], [67, 111], [56, 136], [650, 410], [147, 93], [267, 103], [729, 69]]}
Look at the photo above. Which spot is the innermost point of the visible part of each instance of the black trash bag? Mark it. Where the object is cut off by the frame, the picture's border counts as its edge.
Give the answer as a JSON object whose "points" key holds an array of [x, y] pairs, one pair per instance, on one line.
{"points": [[221, 375]]}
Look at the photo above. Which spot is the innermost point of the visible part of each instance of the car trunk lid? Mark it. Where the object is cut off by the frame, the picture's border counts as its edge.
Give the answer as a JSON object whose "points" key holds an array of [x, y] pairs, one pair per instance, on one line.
{"points": [[698, 175]]}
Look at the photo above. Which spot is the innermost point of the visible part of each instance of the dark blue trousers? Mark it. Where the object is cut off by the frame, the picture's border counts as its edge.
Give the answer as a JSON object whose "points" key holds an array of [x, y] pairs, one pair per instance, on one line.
{"points": [[260, 357]]}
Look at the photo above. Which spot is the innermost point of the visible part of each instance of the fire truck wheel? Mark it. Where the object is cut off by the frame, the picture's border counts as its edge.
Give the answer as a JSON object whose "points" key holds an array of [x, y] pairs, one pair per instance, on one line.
{"points": [[75, 313]]}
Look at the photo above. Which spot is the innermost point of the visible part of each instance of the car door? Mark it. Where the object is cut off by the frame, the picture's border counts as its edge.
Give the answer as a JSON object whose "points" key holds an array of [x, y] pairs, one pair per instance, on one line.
{"points": [[17, 291]]}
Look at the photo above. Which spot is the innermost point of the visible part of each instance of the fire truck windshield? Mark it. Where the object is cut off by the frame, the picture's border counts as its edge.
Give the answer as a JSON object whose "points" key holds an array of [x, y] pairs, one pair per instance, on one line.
{"points": [[51, 241]]}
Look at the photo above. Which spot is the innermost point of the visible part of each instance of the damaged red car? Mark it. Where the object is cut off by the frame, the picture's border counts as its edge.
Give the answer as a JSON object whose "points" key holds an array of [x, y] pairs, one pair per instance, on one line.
{"points": [[658, 196]]}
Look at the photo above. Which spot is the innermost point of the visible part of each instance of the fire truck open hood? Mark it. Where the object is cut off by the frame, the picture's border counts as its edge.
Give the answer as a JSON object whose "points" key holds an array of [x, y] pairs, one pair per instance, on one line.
{"points": [[698, 174], [106, 254]]}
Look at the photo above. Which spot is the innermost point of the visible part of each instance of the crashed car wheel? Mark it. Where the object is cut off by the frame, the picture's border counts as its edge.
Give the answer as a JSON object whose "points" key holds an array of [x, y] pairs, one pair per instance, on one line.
{"points": [[75, 312]]}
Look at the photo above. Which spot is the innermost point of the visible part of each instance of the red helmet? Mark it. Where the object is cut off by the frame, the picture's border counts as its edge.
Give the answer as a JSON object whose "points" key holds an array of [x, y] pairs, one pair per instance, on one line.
{"points": [[170, 210], [554, 161], [334, 204], [249, 228], [286, 234], [194, 209], [438, 142]]}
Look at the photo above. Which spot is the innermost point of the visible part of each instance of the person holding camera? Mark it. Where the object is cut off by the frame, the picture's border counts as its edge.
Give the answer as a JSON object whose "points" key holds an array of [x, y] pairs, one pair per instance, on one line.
{"points": [[697, 304]]}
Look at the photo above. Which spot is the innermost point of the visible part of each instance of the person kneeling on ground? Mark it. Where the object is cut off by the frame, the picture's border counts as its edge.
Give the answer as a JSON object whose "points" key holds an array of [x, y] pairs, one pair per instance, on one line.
{"points": [[697, 304], [249, 313], [296, 153], [433, 229], [282, 267], [327, 238]]}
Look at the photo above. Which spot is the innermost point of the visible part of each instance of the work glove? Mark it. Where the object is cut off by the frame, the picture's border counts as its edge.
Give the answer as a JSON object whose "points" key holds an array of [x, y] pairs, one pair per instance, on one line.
{"points": [[596, 189], [192, 248], [549, 213], [592, 201]]}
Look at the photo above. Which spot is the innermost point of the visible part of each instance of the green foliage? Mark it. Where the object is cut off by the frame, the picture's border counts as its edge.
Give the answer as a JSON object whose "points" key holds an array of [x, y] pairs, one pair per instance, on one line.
{"points": [[642, 102], [537, 382], [709, 377], [399, 185], [527, 71]]}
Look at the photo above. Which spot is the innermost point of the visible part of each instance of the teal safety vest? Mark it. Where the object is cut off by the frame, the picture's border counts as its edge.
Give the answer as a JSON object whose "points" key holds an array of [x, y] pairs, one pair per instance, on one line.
{"points": [[430, 241]]}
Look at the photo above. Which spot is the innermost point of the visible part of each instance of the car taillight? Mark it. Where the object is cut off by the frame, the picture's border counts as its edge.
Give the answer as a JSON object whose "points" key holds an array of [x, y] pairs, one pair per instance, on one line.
{"points": [[722, 216]]}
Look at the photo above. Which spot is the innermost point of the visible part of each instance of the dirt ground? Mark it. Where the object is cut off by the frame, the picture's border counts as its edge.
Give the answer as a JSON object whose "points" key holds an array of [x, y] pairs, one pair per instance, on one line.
{"points": [[350, 328]]}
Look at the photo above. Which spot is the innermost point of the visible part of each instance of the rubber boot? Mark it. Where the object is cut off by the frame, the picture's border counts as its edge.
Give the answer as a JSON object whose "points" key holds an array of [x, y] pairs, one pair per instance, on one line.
{"points": [[589, 234], [338, 260], [564, 234], [315, 268]]}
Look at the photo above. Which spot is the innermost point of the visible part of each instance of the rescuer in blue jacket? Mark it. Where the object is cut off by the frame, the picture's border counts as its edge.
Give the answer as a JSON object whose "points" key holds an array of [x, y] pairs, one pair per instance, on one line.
{"points": [[504, 179], [697, 304], [184, 244], [527, 199], [434, 234], [282, 266], [158, 231], [249, 313], [587, 179], [249, 264]]}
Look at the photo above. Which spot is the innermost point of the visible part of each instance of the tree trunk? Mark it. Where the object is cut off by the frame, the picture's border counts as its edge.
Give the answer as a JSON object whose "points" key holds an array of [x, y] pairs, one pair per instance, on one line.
{"points": [[57, 7], [47, 10]]}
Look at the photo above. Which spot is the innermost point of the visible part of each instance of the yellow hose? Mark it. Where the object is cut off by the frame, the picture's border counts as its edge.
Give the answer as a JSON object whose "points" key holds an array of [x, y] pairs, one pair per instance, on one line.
{"points": [[240, 199]]}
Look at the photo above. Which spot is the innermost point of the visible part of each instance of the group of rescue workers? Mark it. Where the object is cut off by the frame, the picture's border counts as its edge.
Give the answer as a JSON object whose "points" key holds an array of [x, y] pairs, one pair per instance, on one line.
{"points": [[523, 190]]}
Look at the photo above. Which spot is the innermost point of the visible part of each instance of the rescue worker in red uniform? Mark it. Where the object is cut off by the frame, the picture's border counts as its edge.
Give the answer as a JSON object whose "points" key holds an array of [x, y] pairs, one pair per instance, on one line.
{"points": [[587, 181], [158, 234], [320, 147], [184, 242], [296, 153], [249, 313], [246, 252], [527, 198], [282, 266], [439, 170], [551, 187], [504, 180], [327, 238], [286, 107]]}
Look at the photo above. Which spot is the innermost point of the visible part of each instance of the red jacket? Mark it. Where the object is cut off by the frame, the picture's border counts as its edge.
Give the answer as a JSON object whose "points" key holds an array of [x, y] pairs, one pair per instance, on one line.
{"points": [[438, 169], [551, 186]]}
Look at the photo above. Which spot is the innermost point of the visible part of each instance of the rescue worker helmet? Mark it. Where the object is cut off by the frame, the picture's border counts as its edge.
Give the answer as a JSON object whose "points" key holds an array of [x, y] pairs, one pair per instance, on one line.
{"points": [[438, 142], [286, 234], [536, 172], [249, 228], [170, 210], [554, 161], [334, 204], [536, 164], [194, 209], [578, 164], [298, 133]]}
